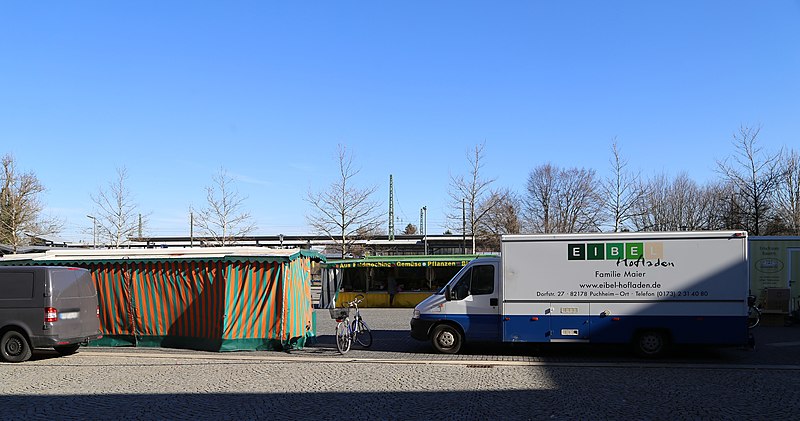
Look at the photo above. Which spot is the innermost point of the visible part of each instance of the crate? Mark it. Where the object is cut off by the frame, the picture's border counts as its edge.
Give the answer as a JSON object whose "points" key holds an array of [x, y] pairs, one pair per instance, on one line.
{"points": [[776, 299], [773, 318]]}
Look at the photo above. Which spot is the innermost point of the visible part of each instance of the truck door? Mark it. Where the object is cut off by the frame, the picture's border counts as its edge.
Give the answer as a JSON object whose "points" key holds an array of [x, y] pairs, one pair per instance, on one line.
{"points": [[475, 303]]}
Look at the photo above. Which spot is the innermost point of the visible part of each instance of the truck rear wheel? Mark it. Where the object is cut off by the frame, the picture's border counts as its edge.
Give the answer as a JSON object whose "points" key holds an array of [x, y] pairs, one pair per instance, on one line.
{"points": [[651, 343], [14, 347], [446, 339]]}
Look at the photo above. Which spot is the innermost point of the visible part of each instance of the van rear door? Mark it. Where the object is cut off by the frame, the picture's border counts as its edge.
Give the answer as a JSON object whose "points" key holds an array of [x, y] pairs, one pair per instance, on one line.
{"points": [[74, 297]]}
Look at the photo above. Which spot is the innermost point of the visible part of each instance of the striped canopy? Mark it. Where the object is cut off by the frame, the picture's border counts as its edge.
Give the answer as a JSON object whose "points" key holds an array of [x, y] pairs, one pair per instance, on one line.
{"points": [[210, 298]]}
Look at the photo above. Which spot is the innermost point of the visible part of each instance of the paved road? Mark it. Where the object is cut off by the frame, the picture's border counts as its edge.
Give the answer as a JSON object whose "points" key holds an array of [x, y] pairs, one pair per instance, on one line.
{"points": [[400, 379], [775, 346]]}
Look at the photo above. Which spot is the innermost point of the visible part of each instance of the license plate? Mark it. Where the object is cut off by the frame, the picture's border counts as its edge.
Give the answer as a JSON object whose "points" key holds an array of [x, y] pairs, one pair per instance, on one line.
{"points": [[68, 315]]}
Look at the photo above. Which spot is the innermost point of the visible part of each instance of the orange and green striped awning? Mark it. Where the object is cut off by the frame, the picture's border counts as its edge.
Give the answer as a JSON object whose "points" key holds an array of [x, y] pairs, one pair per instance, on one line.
{"points": [[215, 300]]}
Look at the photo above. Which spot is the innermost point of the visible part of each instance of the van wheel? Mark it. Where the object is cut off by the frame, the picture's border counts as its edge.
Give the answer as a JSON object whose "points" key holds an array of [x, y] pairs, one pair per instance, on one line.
{"points": [[446, 339], [67, 349], [14, 347], [651, 343]]}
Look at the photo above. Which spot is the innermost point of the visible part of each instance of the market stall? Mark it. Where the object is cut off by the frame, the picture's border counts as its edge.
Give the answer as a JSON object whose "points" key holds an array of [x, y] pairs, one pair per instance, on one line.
{"points": [[215, 298], [388, 281]]}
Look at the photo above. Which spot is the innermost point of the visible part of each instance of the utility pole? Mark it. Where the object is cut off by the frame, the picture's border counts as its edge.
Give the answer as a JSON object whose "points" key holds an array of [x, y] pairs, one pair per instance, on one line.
{"points": [[391, 208], [94, 230], [191, 229], [424, 227], [463, 227]]}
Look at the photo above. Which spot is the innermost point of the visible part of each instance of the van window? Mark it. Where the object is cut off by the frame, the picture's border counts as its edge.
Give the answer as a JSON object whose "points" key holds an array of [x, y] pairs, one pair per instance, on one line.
{"points": [[478, 280], [16, 286], [482, 280], [69, 284]]}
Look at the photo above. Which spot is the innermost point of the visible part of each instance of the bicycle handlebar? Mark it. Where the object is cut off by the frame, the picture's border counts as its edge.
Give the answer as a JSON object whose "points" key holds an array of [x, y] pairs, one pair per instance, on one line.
{"points": [[358, 298]]}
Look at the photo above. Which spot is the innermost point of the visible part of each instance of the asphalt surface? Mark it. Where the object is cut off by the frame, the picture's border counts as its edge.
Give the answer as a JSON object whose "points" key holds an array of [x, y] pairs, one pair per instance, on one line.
{"points": [[774, 346], [399, 378]]}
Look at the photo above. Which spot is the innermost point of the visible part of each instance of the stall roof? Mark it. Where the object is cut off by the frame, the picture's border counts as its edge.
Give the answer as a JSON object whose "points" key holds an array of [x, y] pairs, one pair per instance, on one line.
{"points": [[406, 261], [263, 254]]}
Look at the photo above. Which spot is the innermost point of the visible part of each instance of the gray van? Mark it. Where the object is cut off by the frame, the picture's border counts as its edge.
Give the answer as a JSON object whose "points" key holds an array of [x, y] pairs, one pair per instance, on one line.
{"points": [[46, 307]]}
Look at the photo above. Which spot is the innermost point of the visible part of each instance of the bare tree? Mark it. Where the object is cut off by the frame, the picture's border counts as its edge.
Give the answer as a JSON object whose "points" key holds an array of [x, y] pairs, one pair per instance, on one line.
{"points": [[788, 194], [755, 178], [539, 216], [116, 212], [20, 208], [410, 229], [470, 196], [579, 205], [562, 200], [718, 204], [503, 218], [680, 204], [621, 191], [344, 212], [668, 204], [652, 207], [224, 220]]}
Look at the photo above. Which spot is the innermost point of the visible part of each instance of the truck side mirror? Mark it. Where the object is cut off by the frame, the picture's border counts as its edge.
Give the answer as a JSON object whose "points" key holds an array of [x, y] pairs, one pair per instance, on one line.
{"points": [[448, 293]]}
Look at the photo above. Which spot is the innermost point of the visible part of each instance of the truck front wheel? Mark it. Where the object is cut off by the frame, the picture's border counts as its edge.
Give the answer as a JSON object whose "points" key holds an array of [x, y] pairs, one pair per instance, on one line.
{"points": [[446, 339]]}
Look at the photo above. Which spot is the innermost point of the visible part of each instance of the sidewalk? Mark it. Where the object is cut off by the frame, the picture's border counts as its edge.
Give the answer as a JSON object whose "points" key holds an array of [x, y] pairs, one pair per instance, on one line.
{"points": [[777, 344]]}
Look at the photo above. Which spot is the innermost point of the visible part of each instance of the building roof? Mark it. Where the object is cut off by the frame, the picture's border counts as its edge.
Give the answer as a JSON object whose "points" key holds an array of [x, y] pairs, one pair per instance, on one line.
{"points": [[163, 254]]}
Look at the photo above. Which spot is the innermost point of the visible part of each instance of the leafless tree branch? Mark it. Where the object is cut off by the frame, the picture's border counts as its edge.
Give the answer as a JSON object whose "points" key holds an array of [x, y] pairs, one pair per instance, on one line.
{"points": [[343, 212], [224, 219], [20, 208]]}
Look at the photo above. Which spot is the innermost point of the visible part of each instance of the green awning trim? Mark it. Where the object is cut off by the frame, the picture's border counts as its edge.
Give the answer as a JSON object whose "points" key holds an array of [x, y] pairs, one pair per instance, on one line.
{"points": [[200, 344]]}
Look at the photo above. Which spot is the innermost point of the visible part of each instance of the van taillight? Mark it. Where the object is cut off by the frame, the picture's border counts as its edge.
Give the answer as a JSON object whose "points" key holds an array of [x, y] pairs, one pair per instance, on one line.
{"points": [[50, 315], [98, 312]]}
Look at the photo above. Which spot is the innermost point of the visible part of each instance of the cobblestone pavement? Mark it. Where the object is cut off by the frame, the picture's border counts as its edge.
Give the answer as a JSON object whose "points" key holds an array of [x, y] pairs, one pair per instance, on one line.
{"points": [[400, 379]]}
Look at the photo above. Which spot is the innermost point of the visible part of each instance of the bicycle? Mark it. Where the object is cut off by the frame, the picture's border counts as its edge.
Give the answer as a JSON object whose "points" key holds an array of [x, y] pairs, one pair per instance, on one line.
{"points": [[348, 331], [753, 312]]}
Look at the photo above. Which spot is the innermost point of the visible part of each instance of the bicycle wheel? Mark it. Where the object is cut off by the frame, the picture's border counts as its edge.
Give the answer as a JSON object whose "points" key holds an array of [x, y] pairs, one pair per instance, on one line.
{"points": [[361, 333], [753, 317], [343, 338]]}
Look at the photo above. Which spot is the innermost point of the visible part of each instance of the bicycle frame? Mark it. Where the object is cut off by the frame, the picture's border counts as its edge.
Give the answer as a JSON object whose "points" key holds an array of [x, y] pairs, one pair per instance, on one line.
{"points": [[349, 331]]}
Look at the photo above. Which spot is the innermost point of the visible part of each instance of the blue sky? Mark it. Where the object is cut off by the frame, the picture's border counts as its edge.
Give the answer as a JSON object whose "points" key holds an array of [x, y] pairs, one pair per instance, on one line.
{"points": [[173, 91]]}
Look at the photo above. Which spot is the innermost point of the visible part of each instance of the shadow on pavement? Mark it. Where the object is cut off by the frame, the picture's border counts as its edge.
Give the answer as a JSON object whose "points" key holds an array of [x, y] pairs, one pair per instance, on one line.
{"points": [[44, 354], [394, 341], [545, 402], [312, 405]]}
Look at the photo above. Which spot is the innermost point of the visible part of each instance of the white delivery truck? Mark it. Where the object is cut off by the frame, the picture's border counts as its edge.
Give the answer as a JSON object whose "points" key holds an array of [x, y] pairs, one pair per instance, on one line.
{"points": [[647, 289]]}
